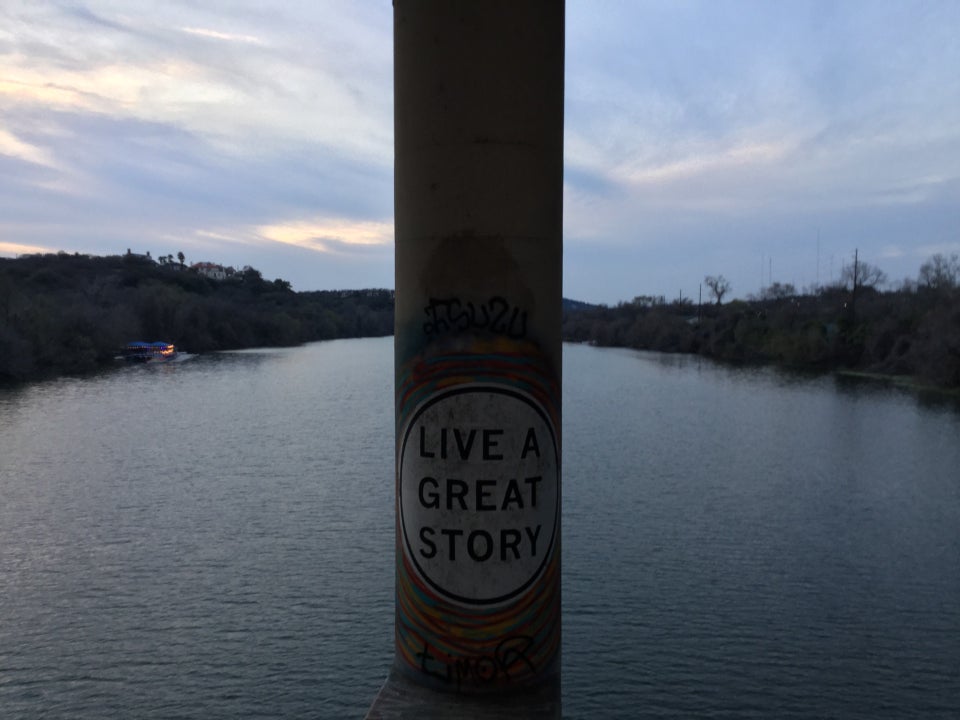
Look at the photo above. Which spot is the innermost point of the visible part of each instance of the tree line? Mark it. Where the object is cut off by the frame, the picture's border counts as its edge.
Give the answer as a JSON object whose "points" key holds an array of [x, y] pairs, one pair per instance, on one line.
{"points": [[912, 330], [63, 313], [67, 313]]}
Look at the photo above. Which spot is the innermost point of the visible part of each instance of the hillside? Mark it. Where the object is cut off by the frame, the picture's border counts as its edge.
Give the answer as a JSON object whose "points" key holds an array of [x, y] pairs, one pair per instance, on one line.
{"points": [[72, 313]]}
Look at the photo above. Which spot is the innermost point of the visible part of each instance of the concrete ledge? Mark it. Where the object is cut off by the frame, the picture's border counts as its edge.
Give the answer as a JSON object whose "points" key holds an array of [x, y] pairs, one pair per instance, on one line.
{"points": [[400, 699]]}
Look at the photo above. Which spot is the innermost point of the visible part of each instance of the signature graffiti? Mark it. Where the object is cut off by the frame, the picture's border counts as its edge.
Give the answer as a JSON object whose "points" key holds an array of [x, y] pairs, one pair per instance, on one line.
{"points": [[454, 315], [509, 661]]}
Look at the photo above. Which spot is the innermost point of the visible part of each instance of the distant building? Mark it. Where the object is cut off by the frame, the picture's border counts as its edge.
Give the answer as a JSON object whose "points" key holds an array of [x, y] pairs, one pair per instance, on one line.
{"points": [[210, 270], [139, 256]]}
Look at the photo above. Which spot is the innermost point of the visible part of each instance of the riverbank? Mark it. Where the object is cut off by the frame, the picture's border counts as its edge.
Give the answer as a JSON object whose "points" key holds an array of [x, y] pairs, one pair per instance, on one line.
{"points": [[71, 314], [904, 382], [912, 335]]}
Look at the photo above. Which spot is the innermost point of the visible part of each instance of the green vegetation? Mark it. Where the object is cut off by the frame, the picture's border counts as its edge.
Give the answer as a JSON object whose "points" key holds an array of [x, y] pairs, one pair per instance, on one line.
{"points": [[73, 313], [912, 332]]}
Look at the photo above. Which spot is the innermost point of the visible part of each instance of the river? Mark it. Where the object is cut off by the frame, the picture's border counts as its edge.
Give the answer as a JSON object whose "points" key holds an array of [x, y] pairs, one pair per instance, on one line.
{"points": [[214, 539]]}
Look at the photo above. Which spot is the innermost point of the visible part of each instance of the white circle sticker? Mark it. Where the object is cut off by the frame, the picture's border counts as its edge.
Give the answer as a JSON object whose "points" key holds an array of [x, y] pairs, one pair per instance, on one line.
{"points": [[479, 492]]}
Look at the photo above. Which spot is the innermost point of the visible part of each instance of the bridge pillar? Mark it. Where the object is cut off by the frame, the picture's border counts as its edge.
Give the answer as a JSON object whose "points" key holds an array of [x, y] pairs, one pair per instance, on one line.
{"points": [[478, 210]]}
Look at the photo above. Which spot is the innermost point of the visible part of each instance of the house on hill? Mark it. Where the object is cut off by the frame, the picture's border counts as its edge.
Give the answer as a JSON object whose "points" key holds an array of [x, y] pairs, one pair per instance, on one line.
{"points": [[139, 256], [210, 270]]}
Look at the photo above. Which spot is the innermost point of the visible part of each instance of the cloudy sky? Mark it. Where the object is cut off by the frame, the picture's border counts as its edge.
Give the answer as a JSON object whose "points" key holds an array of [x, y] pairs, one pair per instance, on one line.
{"points": [[758, 140]]}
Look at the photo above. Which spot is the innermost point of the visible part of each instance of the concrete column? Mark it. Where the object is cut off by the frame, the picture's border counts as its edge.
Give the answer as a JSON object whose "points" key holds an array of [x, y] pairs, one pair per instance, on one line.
{"points": [[478, 192]]}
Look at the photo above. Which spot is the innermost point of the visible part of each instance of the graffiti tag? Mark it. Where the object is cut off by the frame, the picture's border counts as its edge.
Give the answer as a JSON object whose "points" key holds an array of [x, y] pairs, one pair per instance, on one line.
{"points": [[509, 661], [497, 315]]}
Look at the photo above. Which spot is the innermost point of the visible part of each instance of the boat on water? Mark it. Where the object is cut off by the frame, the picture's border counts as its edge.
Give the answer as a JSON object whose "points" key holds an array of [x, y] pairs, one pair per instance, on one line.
{"points": [[149, 351]]}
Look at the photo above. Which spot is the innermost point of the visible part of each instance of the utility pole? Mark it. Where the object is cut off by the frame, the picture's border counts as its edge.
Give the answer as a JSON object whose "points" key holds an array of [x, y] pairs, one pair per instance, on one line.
{"points": [[856, 281], [818, 259], [478, 113]]}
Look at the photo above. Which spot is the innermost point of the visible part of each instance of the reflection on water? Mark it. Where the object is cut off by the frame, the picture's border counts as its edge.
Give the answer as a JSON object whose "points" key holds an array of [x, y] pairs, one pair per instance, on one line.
{"points": [[762, 545], [215, 539]]}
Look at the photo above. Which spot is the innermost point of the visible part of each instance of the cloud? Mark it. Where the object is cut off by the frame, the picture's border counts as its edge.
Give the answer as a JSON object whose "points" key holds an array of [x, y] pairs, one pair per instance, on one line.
{"points": [[329, 235], [944, 248], [891, 252], [228, 37], [688, 108], [248, 81], [159, 90], [11, 248], [714, 160], [12, 146]]}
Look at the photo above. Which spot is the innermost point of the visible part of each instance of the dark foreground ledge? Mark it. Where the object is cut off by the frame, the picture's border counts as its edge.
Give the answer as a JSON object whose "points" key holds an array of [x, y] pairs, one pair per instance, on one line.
{"points": [[400, 699]]}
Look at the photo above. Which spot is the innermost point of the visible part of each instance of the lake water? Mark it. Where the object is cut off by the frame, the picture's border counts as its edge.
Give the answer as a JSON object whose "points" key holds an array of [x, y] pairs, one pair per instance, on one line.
{"points": [[214, 539]]}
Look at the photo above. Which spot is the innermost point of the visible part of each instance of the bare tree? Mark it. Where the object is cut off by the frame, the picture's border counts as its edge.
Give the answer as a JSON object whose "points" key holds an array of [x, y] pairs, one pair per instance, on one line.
{"points": [[717, 285], [862, 275], [941, 272]]}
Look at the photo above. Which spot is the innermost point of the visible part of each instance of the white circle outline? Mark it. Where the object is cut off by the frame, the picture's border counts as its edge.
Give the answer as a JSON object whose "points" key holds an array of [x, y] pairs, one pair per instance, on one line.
{"points": [[426, 404]]}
